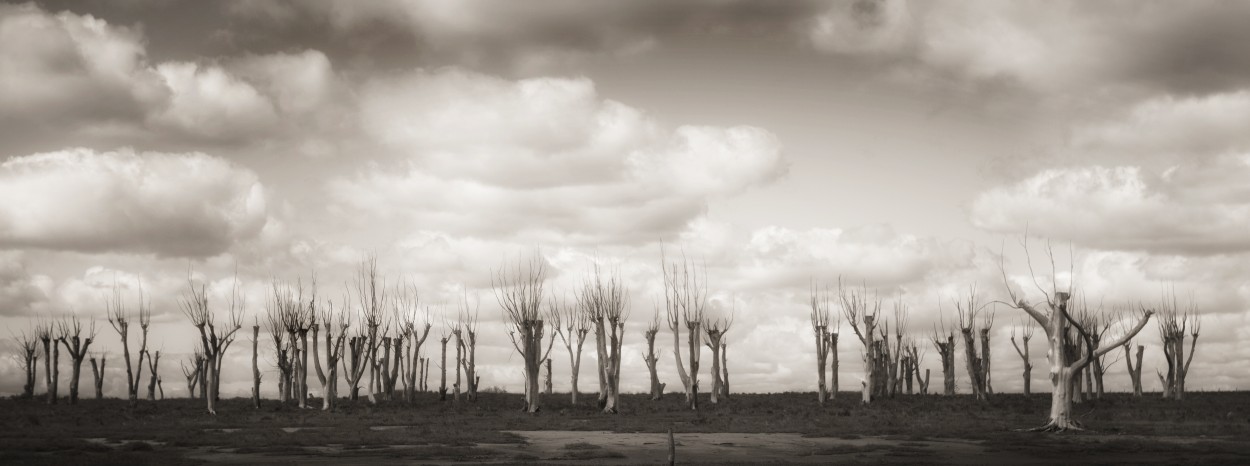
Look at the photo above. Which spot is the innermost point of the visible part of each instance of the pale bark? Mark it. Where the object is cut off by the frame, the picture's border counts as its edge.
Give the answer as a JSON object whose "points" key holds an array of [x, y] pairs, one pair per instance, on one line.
{"points": [[98, 372]]}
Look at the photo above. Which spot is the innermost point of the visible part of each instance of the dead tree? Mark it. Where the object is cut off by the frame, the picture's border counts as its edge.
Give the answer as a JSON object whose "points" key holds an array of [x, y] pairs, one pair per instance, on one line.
{"points": [[120, 320], [916, 358], [1022, 349], [657, 388], [76, 345], [97, 370], [714, 331], [606, 300], [442, 385], [893, 357], [51, 360], [547, 380], [1134, 370], [407, 305], [521, 297], [356, 362], [1172, 329], [372, 298], [255, 366], [154, 379], [685, 300], [1058, 323], [214, 341], [305, 319], [329, 377], [193, 372], [968, 310], [29, 361], [1098, 328], [282, 310], [724, 368], [944, 342], [857, 308], [466, 340], [572, 325]]}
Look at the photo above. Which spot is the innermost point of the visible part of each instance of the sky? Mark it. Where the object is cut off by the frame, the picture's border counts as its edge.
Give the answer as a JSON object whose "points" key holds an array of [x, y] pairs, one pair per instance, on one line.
{"points": [[905, 147]]}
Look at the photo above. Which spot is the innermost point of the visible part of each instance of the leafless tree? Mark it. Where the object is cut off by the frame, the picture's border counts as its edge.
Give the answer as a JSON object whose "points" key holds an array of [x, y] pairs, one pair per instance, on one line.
{"points": [[29, 360], [520, 294], [653, 328], [466, 340], [192, 372], [154, 377], [944, 342], [120, 320], [1134, 370], [214, 340], [826, 342], [917, 357], [714, 330], [407, 304], [282, 312], [329, 377], [372, 298], [255, 367], [606, 301], [685, 300], [51, 359], [97, 370], [1022, 349], [1173, 324], [968, 309], [860, 308], [442, 385], [1060, 325], [69, 333], [572, 326]]}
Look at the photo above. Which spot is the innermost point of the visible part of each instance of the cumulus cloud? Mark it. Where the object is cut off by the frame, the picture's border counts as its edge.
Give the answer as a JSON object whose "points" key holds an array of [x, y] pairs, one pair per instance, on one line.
{"points": [[168, 204], [1200, 207], [544, 159], [65, 66]]}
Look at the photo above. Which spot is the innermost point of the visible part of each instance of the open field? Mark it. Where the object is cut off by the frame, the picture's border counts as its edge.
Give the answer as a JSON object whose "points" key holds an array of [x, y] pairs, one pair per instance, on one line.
{"points": [[1207, 428]]}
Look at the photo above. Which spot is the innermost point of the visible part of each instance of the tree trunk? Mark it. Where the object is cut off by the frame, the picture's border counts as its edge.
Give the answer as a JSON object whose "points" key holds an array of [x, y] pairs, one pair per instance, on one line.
{"points": [[985, 363], [714, 345], [442, 386], [547, 383], [153, 367], [833, 366], [255, 368], [75, 371], [724, 367], [98, 372]]}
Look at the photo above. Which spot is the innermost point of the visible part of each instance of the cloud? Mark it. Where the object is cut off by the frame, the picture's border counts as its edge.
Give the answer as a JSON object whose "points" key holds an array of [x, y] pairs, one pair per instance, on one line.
{"points": [[1189, 126], [208, 102], [66, 66], [545, 159], [1200, 207], [1085, 47], [168, 204]]}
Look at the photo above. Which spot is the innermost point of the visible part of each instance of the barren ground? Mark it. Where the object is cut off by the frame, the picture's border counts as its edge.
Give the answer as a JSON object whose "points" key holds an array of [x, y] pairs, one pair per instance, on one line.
{"points": [[1207, 428]]}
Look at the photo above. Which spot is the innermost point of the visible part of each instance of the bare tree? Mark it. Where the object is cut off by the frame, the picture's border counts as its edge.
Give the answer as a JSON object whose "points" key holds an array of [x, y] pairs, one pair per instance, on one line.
{"points": [[372, 297], [70, 334], [466, 340], [1060, 326], [192, 373], [968, 310], [714, 331], [51, 359], [826, 342], [97, 370], [1173, 324], [653, 328], [29, 360], [329, 377], [520, 294], [407, 304], [859, 308], [442, 385], [572, 325], [606, 300], [1134, 370], [255, 366], [215, 341], [944, 342], [356, 362], [916, 357], [154, 378], [1022, 349], [120, 320], [685, 300], [282, 310]]}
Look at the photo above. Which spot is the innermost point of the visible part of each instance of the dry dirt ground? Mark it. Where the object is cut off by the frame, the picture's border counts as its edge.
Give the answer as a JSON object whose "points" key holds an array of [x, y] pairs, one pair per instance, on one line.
{"points": [[1207, 428]]}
